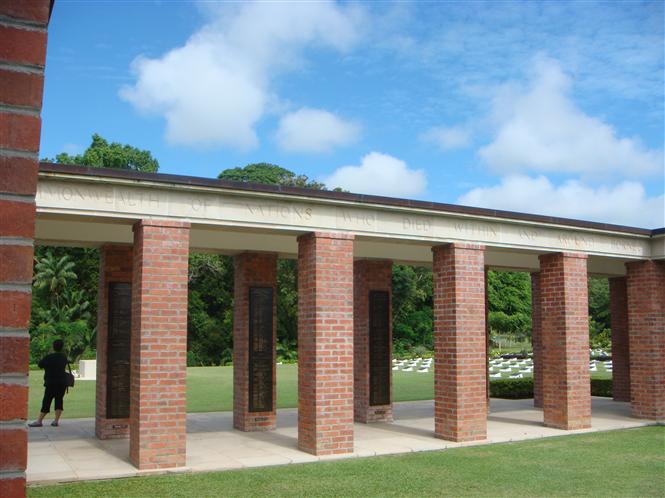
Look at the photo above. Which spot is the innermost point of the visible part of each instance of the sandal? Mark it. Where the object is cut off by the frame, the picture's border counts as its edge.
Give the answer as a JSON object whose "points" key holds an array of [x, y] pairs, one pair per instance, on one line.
{"points": [[35, 424], [54, 424]]}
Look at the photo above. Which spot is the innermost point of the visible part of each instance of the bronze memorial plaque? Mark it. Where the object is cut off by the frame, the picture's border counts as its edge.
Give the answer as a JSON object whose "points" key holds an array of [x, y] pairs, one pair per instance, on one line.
{"points": [[379, 348], [119, 332], [260, 349]]}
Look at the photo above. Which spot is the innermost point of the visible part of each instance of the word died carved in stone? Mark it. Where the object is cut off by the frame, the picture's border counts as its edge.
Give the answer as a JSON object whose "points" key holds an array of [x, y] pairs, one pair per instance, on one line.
{"points": [[415, 224]]}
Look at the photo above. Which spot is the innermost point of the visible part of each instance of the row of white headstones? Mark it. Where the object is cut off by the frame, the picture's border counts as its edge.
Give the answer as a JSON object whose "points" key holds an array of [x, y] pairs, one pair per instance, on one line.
{"points": [[419, 365], [499, 367]]}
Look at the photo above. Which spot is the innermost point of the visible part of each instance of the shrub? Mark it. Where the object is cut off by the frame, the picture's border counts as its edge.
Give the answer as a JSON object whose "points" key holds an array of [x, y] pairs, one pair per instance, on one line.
{"points": [[512, 388], [601, 387], [523, 388]]}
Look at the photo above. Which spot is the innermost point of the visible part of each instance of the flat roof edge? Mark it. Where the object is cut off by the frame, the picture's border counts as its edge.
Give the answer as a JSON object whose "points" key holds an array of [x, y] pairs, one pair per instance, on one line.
{"points": [[47, 167]]}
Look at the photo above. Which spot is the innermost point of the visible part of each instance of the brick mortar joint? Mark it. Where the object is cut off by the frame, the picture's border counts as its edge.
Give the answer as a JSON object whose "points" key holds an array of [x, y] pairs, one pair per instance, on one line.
{"points": [[327, 235], [564, 255], [6, 475], [164, 223], [15, 22], [459, 245], [25, 110], [24, 68], [9, 196]]}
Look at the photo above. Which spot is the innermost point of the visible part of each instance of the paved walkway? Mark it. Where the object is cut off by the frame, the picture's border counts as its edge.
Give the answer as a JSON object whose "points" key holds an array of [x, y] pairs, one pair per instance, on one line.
{"points": [[71, 452]]}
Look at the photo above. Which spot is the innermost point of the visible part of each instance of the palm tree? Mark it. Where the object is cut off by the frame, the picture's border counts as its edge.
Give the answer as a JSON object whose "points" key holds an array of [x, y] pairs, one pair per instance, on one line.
{"points": [[53, 275]]}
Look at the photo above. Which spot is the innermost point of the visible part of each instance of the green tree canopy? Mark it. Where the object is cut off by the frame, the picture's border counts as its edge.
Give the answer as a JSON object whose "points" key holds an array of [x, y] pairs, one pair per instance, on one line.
{"points": [[509, 296], [269, 174], [102, 154]]}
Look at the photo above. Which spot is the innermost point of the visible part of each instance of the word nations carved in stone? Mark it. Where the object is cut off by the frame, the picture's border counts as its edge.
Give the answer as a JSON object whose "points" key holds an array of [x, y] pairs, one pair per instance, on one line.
{"points": [[284, 211]]}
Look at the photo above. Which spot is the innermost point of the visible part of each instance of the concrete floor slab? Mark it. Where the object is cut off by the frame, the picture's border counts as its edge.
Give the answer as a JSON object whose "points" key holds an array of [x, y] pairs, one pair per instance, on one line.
{"points": [[71, 452]]}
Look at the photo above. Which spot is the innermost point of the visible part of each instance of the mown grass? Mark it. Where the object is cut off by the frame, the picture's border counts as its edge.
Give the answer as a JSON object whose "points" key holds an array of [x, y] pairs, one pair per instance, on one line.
{"points": [[210, 389], [620, 463]]}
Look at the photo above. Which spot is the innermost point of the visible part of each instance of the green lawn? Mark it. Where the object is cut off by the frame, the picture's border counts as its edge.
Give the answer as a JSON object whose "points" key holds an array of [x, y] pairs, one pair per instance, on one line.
{"points": [[210, 389], [622, 463]]}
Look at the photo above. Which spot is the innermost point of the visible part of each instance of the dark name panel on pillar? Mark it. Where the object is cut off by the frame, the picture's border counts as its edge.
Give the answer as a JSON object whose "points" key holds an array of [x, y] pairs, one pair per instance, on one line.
{"points": [[379, 348], [260, 349], [119, 334]]}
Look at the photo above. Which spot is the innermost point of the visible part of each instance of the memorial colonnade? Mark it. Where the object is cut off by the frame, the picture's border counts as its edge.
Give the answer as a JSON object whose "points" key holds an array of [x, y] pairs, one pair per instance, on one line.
{"points": [[345, 341]]}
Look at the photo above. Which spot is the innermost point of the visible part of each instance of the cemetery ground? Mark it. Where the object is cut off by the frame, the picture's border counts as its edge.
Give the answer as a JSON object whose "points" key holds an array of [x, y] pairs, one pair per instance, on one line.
{"points": [[210, 389], [627, 462]]}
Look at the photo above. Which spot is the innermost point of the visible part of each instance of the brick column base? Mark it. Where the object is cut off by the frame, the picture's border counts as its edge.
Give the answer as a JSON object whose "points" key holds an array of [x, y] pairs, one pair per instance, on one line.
{"points": [[115, 266], [368, 276], [460, 389], [536, 341], [325, 343], [565, 340], [23, 33], [158, 405], [646, 334], [620, 348], [252, 270]]}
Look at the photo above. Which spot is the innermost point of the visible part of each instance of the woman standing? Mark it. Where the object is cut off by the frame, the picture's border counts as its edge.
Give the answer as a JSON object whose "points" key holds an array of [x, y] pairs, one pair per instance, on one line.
{"points": [[55, 383]]}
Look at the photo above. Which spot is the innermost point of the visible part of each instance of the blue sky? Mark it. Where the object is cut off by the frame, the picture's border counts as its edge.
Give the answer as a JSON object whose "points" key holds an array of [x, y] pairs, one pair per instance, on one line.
{"points": [[541, 107]]}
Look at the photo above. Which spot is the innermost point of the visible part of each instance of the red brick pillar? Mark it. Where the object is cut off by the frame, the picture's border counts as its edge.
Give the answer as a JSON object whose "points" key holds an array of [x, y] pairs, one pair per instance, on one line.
{"points": [[460, 396], [646, 334], [372, 284], [536, 340], [487, 339], [620, 347], [254, 314], [23, 32], [565, 340], [159, 344], [325, 343], [115, 267]]}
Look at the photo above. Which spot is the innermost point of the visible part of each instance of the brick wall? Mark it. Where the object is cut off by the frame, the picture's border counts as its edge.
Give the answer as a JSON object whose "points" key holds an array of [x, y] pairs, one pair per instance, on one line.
{"points": [[536, 341], [23, 32], [460, 392], [565, 340], [620, 347], [487, 339], [646, 334], [325, 343], [159, 344], [115, 265], [251, 270], [368, 275]]}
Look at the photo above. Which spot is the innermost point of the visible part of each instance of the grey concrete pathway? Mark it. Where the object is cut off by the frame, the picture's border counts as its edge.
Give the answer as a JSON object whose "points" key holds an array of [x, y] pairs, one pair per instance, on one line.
{"points": [[71, 452]]}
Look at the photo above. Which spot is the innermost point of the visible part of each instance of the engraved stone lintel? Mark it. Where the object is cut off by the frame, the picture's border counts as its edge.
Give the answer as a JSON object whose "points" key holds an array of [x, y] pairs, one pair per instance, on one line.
{"points": [[255, 209]]}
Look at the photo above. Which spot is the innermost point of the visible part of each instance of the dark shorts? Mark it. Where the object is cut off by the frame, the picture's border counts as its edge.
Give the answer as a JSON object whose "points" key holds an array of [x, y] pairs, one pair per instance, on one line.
{"points": [[56, 392]]}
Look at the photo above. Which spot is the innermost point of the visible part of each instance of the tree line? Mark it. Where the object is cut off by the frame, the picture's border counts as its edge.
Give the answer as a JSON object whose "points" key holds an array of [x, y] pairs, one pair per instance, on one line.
{"points": [[66, 280]]}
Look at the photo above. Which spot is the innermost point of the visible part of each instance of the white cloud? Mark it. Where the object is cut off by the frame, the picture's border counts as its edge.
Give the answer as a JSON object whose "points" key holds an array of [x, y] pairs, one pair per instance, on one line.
{"points": [[624, 204], [315, 130], [379, 174], [214, 89], [72, 149], [447, 138], [541, 129]]}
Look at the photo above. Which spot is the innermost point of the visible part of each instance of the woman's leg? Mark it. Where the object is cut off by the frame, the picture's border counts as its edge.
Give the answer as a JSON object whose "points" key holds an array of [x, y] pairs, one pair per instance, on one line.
{"points": [[46, 406], [59, 395]]}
